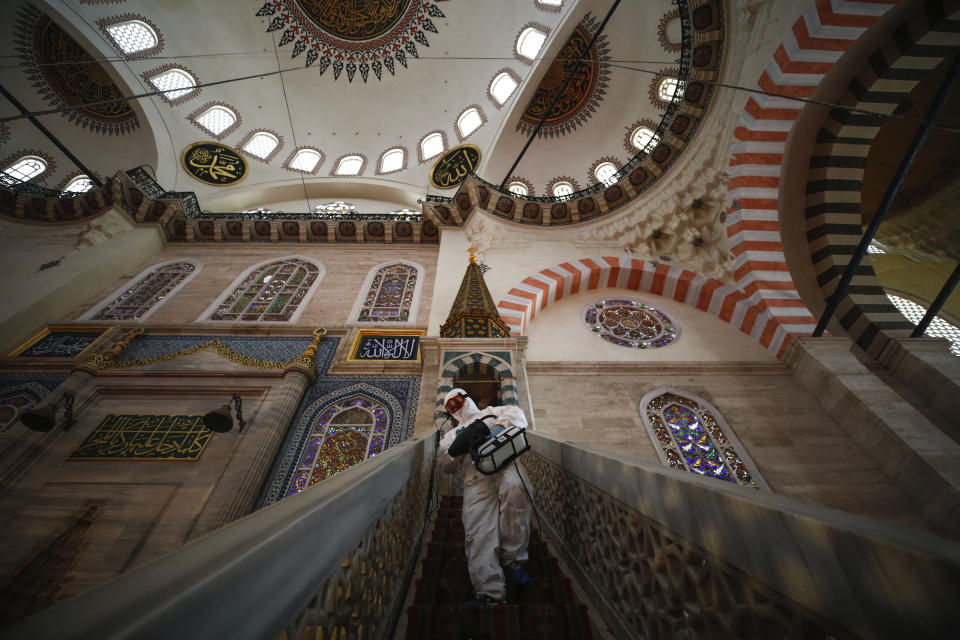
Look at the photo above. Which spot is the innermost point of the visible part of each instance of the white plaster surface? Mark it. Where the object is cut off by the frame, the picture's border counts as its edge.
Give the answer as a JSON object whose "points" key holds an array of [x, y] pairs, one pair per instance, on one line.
{"points": [[558, 333]]}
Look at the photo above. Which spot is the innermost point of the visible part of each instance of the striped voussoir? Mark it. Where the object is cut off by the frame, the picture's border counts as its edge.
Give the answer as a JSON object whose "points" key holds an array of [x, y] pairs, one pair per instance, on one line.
{"points": [[770, 319], [833, 216], [818, 38], [508, 390]]}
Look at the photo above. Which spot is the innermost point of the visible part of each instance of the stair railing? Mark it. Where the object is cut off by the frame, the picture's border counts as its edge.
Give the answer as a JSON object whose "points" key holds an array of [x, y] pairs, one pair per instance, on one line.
{"points": [[333, 561], [667, 554]]}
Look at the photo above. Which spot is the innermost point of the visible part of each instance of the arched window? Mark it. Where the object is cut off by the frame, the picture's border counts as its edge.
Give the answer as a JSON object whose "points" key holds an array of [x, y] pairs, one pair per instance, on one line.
{"points": [[469, 121], [938, 328], [502, 87], [273, 291], [389, 294], [24, 169], [141, 296], [529, 42], [263, 145], [175, 83], [133, 36], [344, 434], [335, 208], [217, 119], [519, 188], [392, 160], [562, 189], [667, 88], [605, 173], [644, 139], [305, 160], [80, 184], [349, 166], [432, 145], [689, 434]]}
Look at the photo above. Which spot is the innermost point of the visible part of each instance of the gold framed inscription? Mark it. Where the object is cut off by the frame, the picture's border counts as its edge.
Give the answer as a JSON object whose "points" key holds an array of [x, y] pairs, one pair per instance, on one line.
{"points": [[214, 163]]}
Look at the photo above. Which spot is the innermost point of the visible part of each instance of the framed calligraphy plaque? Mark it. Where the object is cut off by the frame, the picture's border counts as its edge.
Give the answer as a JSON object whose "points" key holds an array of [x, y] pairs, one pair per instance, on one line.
{"points": [[386, 345], [453, 167], [145, 437], [60, 341], [214, 163]]}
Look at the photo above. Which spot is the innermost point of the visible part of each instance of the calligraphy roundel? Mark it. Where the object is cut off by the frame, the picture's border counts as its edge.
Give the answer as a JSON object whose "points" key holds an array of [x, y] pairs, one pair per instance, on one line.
{"points": [[454, 166], [214, 163]]}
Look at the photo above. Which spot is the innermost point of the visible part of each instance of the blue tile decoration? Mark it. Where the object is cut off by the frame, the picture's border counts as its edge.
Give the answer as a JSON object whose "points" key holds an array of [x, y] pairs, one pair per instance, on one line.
{"points": [[400, 394], [278, 349], [21, 392]]}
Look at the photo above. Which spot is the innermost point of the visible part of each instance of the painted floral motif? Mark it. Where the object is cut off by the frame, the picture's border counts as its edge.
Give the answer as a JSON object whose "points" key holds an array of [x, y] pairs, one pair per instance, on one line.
{"points": [[353, 36], [629, 323], [345, 433], [390, 295]]}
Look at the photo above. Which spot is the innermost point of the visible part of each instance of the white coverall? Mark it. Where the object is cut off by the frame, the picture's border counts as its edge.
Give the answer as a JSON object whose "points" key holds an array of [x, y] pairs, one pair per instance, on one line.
{"points": [[496, 509]]}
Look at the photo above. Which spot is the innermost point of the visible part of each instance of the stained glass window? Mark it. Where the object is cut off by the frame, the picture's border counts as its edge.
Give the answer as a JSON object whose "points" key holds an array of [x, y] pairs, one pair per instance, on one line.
{"points": [[270, 292], [469, 121], [217, 119], [690, 435], [529, 42], [629, 323], [175, 83], [502, 87], [346, 432], [24, 170], [133, 36], [390, 295], [142, 294], [306, 160], [432, 145], [261, 144]]}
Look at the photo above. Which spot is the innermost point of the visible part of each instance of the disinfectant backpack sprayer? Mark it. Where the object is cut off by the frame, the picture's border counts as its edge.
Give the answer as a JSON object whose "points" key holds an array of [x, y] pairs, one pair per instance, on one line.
{"points": [[490, 453]]}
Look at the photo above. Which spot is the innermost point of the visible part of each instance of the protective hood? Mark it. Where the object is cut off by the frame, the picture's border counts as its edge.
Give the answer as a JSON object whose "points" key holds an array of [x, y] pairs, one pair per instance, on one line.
{"points": [[467, 412]]}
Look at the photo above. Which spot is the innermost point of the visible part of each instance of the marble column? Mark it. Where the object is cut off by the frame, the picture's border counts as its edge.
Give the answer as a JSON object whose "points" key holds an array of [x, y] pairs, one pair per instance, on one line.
{"points": [[236, 492]]}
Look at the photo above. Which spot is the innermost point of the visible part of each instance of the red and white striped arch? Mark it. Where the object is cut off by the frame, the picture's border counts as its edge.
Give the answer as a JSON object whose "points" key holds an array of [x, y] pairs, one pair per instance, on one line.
{"points": [[817, 40], [767, 320]]}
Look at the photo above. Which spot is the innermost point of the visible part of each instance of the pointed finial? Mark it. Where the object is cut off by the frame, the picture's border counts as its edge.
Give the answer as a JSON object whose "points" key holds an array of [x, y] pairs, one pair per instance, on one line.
{"points": [[473, 254]]}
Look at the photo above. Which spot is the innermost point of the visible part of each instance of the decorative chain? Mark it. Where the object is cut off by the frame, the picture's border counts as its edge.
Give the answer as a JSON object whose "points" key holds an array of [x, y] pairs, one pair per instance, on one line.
{"points": [[68, 410]]}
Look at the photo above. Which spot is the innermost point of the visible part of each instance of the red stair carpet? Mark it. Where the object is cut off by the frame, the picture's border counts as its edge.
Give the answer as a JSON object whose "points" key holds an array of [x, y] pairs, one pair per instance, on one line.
{"points": [[544, 609]]}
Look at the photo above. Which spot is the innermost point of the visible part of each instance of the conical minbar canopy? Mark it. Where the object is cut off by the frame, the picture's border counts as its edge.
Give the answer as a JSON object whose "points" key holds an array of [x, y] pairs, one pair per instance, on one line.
{"points": [[474, 315]]}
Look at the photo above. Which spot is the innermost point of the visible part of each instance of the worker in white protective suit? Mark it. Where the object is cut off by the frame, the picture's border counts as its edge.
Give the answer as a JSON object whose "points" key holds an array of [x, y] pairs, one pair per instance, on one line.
{"points": [[496, 508]]}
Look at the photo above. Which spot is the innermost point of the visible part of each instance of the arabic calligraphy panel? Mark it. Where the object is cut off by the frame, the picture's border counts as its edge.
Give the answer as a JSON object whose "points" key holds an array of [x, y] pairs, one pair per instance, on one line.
{"points": [[454, 166], [145, 437], [387, 346], [59, 342], [214, 163], [354, 19]]}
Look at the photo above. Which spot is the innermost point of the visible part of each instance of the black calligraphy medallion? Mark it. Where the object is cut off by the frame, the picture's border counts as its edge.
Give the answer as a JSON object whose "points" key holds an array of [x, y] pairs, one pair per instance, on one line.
{"points": [[387, 345], [354, 19], [67, 341], [214, 163], [454, 166], [582, 94]]}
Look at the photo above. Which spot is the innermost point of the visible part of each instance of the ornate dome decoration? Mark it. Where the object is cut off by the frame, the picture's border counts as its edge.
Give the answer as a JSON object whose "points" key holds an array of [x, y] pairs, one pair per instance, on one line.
{"points": [[584, 92], [66, 75], [629, 323], [662, 32], [353, 36]]}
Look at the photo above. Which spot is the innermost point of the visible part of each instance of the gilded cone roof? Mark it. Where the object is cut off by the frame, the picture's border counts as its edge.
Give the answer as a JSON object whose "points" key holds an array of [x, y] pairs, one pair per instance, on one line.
{"points": [[474, 314]]}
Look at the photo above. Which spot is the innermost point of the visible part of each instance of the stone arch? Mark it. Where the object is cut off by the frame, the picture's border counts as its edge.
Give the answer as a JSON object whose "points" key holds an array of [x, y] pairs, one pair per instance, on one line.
{"points": [[457, 361], [816, 41], [769, 322], [834, 184]]}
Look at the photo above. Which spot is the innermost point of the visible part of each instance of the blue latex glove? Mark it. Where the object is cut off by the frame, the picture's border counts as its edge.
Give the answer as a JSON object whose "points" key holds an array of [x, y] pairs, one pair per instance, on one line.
{"points": [[496, 430]]}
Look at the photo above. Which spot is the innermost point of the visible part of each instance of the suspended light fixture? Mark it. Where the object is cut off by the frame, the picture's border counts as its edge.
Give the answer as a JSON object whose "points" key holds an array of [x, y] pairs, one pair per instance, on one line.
{"points": [[221, 420]]}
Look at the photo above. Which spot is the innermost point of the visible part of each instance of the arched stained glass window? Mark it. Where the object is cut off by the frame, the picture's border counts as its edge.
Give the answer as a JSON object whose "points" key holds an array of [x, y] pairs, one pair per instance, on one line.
{"points": [[142, 294], [346, 432], [270, 292], [391, 294], [690, 435]]}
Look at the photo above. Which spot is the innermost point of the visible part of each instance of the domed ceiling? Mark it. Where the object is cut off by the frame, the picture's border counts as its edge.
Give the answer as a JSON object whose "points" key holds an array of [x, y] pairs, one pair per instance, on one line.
{"points": [[355, 79]]}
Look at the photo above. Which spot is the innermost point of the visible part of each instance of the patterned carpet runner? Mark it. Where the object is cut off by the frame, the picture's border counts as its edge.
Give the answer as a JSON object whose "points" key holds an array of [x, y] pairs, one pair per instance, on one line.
{"points": [[545, 608]]}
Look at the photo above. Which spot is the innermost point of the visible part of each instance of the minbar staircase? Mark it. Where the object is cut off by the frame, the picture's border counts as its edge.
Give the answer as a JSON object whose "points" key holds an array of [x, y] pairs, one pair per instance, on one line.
{"points": [[545, 608]]}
